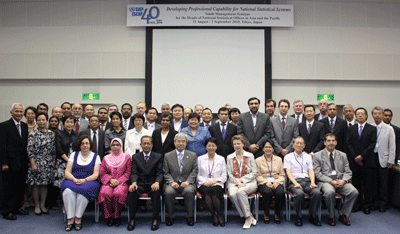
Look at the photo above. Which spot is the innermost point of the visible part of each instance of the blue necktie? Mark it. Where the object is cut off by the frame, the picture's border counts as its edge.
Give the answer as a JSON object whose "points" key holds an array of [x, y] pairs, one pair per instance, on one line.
{"points": [[332, 125], [309, 128], [360, 132], [223, 131]]}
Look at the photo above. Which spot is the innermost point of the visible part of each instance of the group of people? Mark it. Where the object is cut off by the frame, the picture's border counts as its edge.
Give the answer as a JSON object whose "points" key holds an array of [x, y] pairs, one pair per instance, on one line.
{"points": [[115, 158]]}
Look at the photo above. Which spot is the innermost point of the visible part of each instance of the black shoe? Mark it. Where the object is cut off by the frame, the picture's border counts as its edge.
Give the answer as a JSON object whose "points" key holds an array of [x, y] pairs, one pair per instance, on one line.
{"points": [[215, 220], [131, 225], [314, 221], [382, 209], [110, 222], [169, 221], [21, 211], [367, 211], [355, 209], [190, 221], [221, 221], [154, 225], [299, 222], [9, 216], [117, 222]]}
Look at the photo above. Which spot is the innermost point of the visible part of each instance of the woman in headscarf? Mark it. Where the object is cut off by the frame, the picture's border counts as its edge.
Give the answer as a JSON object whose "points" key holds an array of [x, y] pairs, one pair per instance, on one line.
{"points": [[115, 172]]}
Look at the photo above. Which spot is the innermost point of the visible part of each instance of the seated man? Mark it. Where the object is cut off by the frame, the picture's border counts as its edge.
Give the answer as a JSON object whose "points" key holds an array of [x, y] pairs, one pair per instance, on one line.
{"points": [[146, 177], [180, 172], [300, 172], [333, 174]]}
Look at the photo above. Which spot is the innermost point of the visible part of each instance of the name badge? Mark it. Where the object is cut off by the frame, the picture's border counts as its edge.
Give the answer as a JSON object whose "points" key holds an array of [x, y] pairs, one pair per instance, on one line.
{"points": [[302, 176], [271, 180], [333, 172]]}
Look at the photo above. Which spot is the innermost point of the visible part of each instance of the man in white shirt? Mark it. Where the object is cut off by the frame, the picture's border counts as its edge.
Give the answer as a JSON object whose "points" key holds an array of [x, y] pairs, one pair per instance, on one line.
{"points": [[126, 111], [300, 172], [96, 135], [178, 121], [270, 106], [349, 113], [151, 124]]}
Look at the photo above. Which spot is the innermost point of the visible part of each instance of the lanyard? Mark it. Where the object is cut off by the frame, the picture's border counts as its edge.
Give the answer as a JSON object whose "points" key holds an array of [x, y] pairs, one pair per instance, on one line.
{"points": [[270, 170], [301, 164], [212, 168]]}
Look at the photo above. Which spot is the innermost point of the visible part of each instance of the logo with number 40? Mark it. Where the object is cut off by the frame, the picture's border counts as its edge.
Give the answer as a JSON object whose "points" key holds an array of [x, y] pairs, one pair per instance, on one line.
{"points": [[152, 13]]}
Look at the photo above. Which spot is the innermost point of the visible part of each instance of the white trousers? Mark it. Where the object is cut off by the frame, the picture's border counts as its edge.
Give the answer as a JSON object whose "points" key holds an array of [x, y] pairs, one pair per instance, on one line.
{"points": [[75, 204]]}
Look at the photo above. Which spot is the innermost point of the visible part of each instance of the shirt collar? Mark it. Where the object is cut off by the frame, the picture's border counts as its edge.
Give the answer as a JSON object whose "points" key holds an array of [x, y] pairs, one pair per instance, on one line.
{"points": [[177, 152], [312, 122], [334, 119], [15, 122], [362, 125], [280, 117], [334, 152], [180, 121]]}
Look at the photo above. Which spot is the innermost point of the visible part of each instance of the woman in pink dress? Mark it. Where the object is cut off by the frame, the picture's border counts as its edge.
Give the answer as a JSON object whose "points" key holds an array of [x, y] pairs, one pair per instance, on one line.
{"points": [[115, 172]]}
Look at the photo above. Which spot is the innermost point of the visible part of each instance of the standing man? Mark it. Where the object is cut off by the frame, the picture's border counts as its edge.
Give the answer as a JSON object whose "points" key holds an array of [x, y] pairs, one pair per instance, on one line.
{"points": [[57, 111], [42, 108], [141, 109], [387, 119], [284, 130], [151, 115], [298, 107], [254, 127], [333, 175], [199, 110], [66, 108], [178, 122], [102, 113], [165, 107], [223, 132], [361, 141], [322, 106], [111, 109], [336, 126], [81, 124], [187, 112], [349, 115], [313, 132], [14, 159], [385, 151], [180, 173], [126, 111], [270, 106], [300, 172], [207, 118], [146, 177], [96, 135], [88, 111]]}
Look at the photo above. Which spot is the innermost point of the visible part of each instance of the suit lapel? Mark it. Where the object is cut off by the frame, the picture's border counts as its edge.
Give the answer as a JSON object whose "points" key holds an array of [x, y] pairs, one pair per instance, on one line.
{"points": [[14, 128], [327, 159], [141, 159], [278, 121]]}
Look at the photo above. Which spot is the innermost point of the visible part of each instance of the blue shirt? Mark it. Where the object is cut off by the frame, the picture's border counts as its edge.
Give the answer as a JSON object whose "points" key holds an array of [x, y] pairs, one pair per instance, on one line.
{"points": [[196, 143]]}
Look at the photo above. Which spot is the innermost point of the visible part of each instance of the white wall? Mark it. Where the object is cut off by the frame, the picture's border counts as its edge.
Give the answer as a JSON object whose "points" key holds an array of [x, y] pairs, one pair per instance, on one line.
{"points": [[53, 51]]}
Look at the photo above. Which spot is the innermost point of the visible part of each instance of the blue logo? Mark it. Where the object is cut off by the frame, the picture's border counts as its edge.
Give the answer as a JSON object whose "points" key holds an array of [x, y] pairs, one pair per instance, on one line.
{"points": [[145, 13]]}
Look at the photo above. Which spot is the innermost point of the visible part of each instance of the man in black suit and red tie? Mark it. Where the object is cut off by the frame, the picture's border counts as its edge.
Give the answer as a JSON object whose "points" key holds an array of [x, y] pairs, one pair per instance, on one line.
{"points": [[223, 132], [146, 177], [13, 159], [361, 141]]}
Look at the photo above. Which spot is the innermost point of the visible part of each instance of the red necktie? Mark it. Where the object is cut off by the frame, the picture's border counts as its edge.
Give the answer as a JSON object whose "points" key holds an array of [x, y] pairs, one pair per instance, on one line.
{"points": [[77, 126]]}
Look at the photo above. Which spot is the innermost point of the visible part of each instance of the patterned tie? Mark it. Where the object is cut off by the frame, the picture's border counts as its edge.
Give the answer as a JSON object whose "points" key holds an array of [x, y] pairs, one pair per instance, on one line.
{"points": [[207, 125], [180, 161], [298, 119], [94, 143], [283, 122], [309, 128], [146, 157], [361, 129], [332, 125], [223, 131], [19, 129], [126, 124], [77, 126], [333, 165], [349, 124]]}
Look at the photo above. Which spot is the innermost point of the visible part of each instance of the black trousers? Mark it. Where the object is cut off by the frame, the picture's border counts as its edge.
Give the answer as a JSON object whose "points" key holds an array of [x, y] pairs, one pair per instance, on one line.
{"points": [[13, 188], [364, 179], [155, 200], [267, 193]]}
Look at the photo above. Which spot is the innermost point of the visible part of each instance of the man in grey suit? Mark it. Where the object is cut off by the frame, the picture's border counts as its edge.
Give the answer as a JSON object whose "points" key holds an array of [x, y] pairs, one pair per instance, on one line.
{"points": [[385, 151], [81, 124], [284, 129], [96, 135], [333, 175], [254, 127], [180, 173]]}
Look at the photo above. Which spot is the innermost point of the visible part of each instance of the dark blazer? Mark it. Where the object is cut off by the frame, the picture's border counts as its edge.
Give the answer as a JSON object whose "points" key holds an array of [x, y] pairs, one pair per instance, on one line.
{"points": [[362, 145], [303, 119], [13, 147], [317, 116], [63, 142], [100, 139], [157, 126], [340, 131], [183, 125], [168, 145], [397, 133], [147, 173], [202, 124], [314, 140], [258, 135], [225, 147]]}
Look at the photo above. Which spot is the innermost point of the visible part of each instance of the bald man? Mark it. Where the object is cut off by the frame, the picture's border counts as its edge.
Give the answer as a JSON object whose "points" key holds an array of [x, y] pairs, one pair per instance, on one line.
{"points": [[323, 110]]}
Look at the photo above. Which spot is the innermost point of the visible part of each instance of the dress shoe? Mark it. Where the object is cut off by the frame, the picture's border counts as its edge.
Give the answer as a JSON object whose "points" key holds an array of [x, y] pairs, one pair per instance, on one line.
{"points": [[169, 221], [247, 224], [367, 211], [355, 209], [332, 221], [215, 220], [315, 221], [266, 219], [117, 222], [110, 222], [221, 221], [277, 219], [21, 211], [253, 221], [9, 216], [154, 225], [382, 209], [344, 220], [131, 225], [299, 222], [190, 221]]}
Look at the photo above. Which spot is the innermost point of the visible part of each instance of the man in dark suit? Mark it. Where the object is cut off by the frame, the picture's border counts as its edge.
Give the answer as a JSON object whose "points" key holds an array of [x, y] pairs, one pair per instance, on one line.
{"points": [[151, 116], [14, 159], [361, 140], [223, 132], [207, 117], [180, 173], [270, 106], [298, 107], [387, 119], [178, 122], [313, 132], [336, 126], [103, 118], [284, 129], [126, 111], [146, 177], [254, 127], [323, 109], [160, 146], [96, 135]]}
